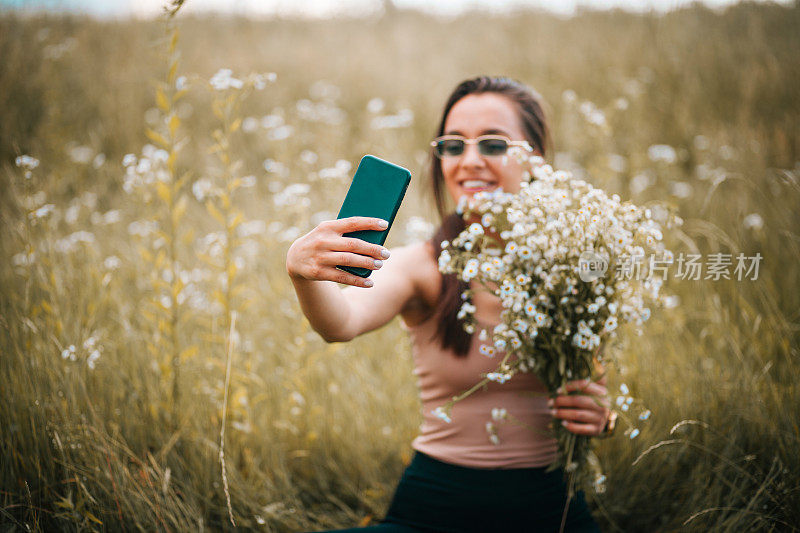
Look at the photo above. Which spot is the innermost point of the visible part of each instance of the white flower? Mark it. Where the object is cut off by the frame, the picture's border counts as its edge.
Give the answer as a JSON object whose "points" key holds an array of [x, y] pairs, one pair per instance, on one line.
{"points": [[26, 162], [375, 105], [470, 270], [475, 229], [466, 308], [69, 353], [444, 260], [112, 262], [530, 310], [499, 377], [498, 413], [487, 350], [753, 221], [202, 189], [43, 211], [223, 79], [610, 324], [440, 413], [92, 359], [662, 152]]}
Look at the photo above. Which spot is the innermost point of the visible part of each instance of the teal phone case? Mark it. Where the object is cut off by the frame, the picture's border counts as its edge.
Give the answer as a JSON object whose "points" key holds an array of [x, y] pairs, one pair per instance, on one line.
{"points": [[377, 190]]}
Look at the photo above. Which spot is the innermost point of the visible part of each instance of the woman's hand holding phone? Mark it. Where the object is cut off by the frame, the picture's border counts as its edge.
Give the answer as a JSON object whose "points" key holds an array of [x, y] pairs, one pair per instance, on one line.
{"points": [[315, 255]]}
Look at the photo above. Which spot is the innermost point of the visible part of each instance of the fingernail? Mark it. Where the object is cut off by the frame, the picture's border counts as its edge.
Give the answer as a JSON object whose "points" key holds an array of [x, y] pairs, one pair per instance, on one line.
{"points": [[564, 423], [552, 412], [385, 253], [368, 283], [383, 224], [378, 263], [550, 403]]}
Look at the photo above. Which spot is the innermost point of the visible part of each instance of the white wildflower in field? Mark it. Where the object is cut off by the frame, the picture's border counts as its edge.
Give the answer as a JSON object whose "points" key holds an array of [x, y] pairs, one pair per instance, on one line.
{"points": [[203, 188], [24, 258], [26, 162], [280, 133], [223, 80], [324, 112], [81, 154], [104, 219], [340, 170], [250, 124], [276, 167], [70, 242], [112, 262], [42, 212], [402, 119], [309, 157], [662, 152], [91, 360], [142, 228], [260, 80], [69, 353], [375, 105], [271, 121], [294, 194], [252, 228], [753, 221]]}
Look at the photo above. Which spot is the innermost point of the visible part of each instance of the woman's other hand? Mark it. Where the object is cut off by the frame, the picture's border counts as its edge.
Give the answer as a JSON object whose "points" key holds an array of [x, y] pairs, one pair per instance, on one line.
{"points": [[586, 412], [315, 255]]}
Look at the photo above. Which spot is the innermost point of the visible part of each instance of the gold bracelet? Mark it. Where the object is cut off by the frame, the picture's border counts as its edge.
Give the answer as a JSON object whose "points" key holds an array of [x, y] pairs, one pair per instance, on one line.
{"points": [[611, 425]]}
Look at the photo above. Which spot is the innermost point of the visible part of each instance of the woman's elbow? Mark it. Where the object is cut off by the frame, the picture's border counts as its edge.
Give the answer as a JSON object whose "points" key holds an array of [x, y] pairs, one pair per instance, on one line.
{"points": [[332, 337]]}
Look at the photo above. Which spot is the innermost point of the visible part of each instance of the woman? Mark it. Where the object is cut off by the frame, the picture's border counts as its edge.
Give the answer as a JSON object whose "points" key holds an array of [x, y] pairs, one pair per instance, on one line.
{"points": [[458, 480]]}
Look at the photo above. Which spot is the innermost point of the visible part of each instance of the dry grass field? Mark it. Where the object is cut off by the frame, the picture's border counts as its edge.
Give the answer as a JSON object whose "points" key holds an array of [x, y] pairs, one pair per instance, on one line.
{"points": [[143, 258]]}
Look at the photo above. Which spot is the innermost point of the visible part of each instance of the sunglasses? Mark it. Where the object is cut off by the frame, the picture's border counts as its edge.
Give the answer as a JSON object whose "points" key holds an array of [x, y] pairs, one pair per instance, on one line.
{"points": [[488, 145]]}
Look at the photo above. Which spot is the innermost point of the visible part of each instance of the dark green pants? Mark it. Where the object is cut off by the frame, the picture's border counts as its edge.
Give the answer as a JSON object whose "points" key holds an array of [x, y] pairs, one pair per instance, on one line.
{"points": [[434, 496]]}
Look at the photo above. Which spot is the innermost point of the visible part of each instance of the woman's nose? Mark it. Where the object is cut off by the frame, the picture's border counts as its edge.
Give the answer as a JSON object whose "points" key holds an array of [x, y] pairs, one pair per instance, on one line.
{"points": [[472, 157]]}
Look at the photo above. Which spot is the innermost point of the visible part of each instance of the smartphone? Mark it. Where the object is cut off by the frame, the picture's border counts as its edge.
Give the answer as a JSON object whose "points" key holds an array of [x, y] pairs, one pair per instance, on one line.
{"points": [[377, 190]]}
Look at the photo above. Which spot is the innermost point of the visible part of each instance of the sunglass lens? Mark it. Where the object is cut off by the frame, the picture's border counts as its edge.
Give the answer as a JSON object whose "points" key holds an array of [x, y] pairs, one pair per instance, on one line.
{"points": [[492, 146], [450, 147]]}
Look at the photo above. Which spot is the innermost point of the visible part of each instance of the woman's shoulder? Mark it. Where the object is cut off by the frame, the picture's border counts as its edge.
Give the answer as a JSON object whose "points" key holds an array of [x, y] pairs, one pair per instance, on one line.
{"points": [[417, 261], [419, 258]]}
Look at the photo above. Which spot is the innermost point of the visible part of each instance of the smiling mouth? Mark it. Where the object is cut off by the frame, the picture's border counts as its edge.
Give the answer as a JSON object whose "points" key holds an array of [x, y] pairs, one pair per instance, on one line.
{"points": [[475, 185]]}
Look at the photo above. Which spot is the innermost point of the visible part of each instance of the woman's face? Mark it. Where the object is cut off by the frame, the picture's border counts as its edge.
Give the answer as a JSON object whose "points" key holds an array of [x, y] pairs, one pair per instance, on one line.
{"points": [[470, 117]]}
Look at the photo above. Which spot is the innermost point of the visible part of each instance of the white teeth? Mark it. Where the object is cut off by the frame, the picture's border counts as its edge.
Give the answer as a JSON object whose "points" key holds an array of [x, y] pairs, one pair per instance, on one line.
{"points": [[474, 184]]}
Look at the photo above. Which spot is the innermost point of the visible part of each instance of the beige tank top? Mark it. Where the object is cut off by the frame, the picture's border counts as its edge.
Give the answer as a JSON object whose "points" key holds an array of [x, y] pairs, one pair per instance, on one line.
{"points": [[465, 440]]}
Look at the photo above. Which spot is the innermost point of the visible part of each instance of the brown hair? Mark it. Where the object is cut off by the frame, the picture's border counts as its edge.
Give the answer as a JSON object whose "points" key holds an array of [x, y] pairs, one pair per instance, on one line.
{"points": [[450, 330]]}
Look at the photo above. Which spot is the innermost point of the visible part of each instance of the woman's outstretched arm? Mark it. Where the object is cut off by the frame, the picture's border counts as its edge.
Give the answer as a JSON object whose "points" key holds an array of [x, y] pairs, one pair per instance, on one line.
{"points": [[340, 315]]}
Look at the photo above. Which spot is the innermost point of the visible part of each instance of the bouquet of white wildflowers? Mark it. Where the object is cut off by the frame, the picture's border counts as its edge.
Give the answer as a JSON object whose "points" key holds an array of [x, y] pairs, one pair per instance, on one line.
{"points": [[568, 263]]}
